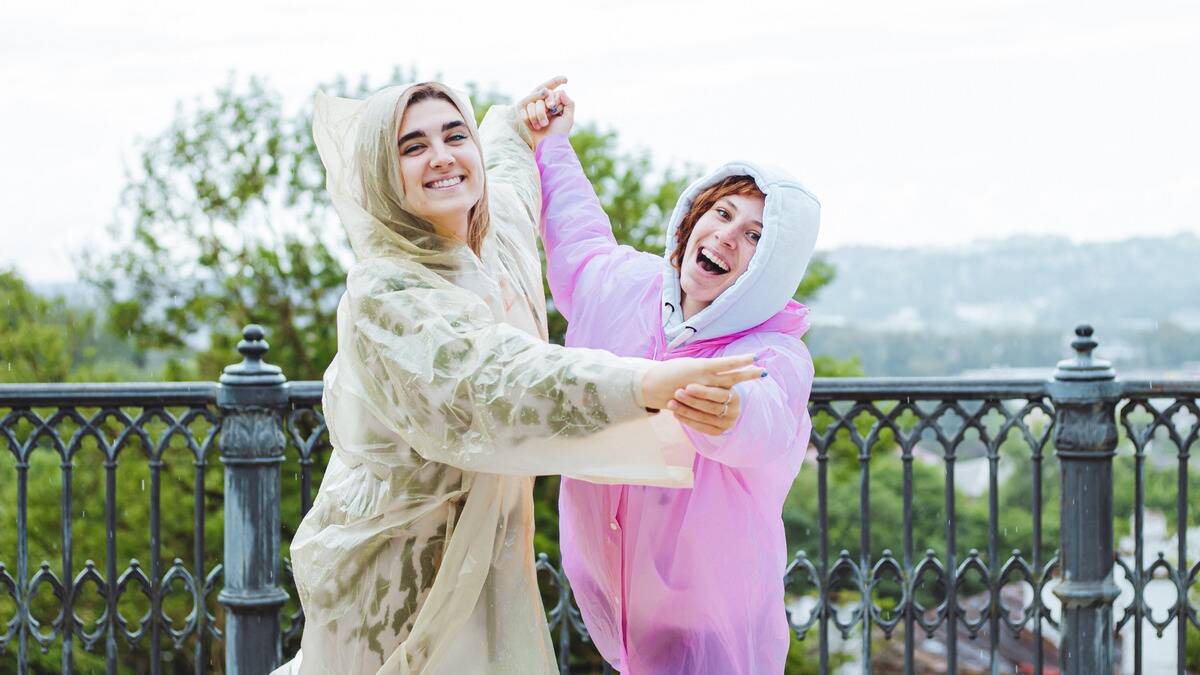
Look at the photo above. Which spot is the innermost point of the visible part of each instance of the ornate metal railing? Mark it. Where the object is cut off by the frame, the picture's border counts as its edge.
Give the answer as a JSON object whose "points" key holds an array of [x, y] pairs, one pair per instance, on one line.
{"points": [[213, 592]]}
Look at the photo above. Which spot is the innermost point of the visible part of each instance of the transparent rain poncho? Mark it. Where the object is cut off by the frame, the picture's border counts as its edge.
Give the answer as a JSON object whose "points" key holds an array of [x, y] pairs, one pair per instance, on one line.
{"points": [[443, 401]]}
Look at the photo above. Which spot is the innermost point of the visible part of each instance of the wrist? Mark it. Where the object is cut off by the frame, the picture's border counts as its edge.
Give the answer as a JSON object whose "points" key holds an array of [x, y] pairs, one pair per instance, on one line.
{"points": [[549, 137]]}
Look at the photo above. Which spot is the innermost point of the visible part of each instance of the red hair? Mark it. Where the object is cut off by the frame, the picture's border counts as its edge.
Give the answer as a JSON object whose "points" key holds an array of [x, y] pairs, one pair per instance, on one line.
{"points": [[708, 197]]}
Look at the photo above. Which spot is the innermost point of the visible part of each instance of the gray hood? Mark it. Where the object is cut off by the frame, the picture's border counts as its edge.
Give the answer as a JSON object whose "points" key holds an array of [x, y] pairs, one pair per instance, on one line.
{"points": [[791, 217]]}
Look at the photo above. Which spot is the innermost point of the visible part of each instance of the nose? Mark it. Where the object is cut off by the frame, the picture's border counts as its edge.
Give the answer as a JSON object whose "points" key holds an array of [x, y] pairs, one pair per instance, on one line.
{"points": [[441, 157], [725, 238]]}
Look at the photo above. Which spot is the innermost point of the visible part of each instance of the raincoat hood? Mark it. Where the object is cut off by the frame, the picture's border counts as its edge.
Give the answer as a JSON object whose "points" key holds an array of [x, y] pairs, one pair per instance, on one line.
{"points": [[356, 140], [791, 217]]}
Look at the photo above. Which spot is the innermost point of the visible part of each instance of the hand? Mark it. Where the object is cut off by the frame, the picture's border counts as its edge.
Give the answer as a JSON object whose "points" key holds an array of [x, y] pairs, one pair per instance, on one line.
{"points": [[709, 410], [535, 110], [665, 377]]}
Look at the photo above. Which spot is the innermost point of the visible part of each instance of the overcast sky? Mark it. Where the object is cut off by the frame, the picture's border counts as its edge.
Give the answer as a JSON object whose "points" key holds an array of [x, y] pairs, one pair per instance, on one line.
{"points": [[923, 122]]}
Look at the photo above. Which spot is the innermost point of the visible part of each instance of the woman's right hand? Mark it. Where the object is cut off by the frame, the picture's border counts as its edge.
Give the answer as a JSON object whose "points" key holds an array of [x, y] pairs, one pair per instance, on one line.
{"points": [[665, 377]]}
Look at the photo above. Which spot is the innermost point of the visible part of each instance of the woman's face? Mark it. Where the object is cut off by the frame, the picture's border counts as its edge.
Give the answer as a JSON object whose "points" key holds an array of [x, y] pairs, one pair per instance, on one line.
{"points": [[440, 166], [719, 250]]}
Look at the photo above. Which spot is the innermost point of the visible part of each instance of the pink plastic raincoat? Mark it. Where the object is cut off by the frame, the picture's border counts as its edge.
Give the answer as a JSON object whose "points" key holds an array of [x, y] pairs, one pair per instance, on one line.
{"points": [[686, 580]]}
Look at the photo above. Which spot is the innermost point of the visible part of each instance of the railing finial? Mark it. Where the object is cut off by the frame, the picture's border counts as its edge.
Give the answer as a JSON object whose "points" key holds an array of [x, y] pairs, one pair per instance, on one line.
{"points": [[253, 370], [1084, 366]]}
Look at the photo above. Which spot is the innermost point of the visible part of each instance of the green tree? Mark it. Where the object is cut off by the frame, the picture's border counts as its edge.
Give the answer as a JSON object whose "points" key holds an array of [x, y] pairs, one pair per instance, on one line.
{"points": [[40, 338], [46, 339]]}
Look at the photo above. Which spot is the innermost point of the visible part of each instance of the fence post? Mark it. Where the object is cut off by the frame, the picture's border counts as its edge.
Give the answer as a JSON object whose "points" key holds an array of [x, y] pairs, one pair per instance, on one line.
{"points": [[251, 398], [1085, 394]]}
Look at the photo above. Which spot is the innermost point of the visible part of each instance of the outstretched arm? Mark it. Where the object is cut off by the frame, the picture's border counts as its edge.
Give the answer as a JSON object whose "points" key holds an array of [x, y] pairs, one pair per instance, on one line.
{"points": [[426, 360], [765, 419]]}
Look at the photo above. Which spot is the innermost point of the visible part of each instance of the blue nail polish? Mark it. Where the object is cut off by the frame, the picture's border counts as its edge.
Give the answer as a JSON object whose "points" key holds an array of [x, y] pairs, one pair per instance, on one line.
{"points": [[764, 374]]}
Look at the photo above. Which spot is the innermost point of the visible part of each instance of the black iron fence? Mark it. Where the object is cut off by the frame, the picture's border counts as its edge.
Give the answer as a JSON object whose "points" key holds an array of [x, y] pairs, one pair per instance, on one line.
{"points": [[917, 576]]}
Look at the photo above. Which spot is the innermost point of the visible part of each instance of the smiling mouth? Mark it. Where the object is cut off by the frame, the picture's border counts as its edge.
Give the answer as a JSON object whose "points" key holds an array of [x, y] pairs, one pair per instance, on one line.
{"points": [[444, 183], [710, 262]]}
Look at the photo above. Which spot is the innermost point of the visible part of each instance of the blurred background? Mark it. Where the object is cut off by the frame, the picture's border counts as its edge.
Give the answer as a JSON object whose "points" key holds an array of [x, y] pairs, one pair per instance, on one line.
{"points": [[991, 174]]}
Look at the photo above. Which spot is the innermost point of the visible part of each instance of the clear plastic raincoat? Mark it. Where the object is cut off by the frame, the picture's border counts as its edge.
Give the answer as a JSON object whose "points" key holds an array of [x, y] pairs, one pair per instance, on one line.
{"points": [[443, 401], [686, 581]]}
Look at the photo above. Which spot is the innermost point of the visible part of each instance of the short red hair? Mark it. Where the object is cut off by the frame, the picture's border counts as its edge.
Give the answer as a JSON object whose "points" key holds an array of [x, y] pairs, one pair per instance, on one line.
{"points": [[708, 198]]}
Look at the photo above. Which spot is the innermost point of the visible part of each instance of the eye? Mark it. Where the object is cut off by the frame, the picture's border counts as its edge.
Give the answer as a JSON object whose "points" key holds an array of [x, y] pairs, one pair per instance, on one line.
{"points": [[413, 149], [456, 138], [722, 212], [754, 235]]}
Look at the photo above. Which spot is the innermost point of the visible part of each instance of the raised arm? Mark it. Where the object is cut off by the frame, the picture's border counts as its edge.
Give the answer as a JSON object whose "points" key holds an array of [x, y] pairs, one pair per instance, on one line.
{"points": [[514, 194], [576, 232]]}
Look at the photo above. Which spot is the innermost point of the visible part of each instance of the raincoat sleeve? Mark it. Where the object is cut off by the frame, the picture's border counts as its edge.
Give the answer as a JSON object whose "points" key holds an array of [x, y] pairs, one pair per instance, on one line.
{"points": [[428, 361], [774, 416], [514, 191], [576, 232]]}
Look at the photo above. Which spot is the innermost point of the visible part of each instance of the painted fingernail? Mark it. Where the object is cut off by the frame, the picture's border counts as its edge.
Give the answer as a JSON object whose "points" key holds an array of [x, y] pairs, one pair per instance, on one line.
{"points": [[764, 373]]}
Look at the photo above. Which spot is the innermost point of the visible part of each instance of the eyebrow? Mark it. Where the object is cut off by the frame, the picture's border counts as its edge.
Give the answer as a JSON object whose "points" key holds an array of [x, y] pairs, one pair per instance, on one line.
{"points": [[730, 205], [419, 134]]}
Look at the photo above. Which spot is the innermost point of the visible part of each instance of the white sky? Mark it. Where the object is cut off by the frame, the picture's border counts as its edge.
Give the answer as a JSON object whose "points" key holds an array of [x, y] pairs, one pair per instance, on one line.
{"points": [[929, 121]]}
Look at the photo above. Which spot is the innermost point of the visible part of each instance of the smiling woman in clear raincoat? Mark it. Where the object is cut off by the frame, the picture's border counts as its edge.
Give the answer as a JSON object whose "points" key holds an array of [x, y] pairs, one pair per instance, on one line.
{"points": [[444, 399]]}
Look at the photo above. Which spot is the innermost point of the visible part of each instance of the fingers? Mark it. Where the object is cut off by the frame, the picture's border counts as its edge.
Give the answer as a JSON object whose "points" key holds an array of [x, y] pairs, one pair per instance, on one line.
{"points": [[542, 90], [724, 363], [719, 395], [702, 422], [556, 81], [534, 115], [704, 404], [729, 378]]}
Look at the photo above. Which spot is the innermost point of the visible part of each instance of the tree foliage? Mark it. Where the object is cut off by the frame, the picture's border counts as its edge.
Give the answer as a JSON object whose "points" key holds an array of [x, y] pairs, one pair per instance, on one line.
{"points": [[224, 221]]}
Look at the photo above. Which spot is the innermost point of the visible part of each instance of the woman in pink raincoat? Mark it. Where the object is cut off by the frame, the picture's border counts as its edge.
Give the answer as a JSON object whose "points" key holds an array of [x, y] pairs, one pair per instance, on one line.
{"points": [[688, 580]]}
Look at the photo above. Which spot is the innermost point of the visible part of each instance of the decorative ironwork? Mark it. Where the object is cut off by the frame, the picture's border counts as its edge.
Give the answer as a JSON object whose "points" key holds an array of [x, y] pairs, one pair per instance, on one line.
{"points": [[854, 584]]}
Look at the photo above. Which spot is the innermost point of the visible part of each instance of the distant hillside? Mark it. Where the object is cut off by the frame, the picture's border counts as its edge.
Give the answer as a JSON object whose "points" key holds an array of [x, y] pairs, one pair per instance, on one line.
{"points": [[1019, 283], [1003, 304], [1011, 304]]}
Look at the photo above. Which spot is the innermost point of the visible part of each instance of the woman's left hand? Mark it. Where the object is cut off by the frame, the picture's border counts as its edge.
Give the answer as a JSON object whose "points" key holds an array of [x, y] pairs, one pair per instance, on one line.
{"points": [[546, 110], [709, 410]]}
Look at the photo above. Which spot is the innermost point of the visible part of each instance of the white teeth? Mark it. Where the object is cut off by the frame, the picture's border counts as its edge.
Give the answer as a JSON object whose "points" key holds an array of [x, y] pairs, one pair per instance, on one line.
{"points": [[713, 259], [447, 181]]}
